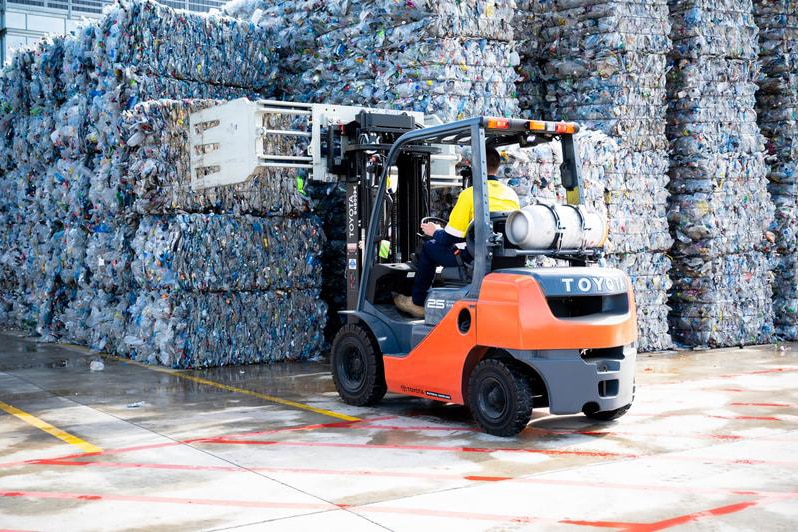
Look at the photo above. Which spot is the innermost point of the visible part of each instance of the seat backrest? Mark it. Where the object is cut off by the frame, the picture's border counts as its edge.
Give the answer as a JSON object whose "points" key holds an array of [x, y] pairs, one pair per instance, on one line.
{"points": [[499, 221]]}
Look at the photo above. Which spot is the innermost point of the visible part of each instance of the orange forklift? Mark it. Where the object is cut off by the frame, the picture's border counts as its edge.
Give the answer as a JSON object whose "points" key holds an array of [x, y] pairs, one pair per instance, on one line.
{"points": [[498, 336]]}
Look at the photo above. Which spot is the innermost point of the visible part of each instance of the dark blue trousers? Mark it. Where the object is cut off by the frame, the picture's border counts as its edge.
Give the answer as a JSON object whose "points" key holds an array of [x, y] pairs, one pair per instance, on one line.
{"points": [[434, 253]]}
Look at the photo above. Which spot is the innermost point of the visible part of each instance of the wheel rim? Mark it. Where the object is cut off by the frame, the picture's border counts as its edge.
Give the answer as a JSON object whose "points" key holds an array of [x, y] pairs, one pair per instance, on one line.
{"points": [[352, 366], [493, 399]]}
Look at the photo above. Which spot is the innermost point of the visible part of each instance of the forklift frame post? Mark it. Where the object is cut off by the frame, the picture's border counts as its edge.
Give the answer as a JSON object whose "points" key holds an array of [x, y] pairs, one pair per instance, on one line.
{"points": [[474, 126]]}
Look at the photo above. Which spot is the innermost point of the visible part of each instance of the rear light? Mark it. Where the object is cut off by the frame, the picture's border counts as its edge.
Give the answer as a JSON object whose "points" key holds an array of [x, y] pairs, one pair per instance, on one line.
{"points": [[537, 125], [565, 127], [498, 123]]}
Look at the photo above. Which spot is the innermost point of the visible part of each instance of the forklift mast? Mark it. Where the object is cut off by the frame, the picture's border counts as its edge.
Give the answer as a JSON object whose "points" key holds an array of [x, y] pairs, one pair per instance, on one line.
{"points": [[357, 152]]}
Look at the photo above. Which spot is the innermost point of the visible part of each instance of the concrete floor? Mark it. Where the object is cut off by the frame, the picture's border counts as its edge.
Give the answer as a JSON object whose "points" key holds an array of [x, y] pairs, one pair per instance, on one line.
{"points": [[710, 444]]}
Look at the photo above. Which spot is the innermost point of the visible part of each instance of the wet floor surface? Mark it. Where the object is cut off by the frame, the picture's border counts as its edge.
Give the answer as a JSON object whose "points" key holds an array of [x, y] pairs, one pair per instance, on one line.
{"points": [[709, 444]]}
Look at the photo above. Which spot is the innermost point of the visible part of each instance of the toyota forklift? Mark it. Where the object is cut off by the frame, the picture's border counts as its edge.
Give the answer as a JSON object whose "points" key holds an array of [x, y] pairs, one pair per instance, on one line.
{"points": [[498, 336]]}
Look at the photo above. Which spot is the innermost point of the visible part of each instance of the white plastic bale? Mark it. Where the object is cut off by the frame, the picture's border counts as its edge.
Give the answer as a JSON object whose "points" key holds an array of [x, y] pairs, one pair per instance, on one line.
{"points": [[721, 209], [777, 106], [214, 253], [195, 330]]}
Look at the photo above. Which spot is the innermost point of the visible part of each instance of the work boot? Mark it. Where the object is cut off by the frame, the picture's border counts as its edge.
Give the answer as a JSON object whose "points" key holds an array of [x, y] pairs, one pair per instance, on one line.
{"points": [[405, 304]]}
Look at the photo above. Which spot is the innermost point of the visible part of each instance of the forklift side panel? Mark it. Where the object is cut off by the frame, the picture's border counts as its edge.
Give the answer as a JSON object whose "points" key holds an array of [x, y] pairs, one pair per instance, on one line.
{"points": [[434, 369]]}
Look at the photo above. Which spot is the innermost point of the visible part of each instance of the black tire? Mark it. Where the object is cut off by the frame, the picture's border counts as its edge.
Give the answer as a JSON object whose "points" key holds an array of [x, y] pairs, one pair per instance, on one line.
{"points": [[357, 366], [499, 397], [609, 415]]}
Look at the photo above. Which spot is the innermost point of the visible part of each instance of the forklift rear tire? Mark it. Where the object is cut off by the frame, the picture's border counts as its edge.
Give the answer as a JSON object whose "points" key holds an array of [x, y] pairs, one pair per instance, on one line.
{"points": [[499, 397], [357, 366], [609, 415]]}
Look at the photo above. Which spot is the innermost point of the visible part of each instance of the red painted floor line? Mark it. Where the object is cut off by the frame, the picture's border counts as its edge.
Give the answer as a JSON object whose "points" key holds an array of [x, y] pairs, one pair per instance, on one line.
{"points": [[694, 435], [600, 524], [549, 452], [94, 497], [333, 425], [552, 452], [419, 476], [415, 428], [122, 450], [697, 436], [748, 418], [629, 527], [759, 372], [690, 518], [664, 415]]}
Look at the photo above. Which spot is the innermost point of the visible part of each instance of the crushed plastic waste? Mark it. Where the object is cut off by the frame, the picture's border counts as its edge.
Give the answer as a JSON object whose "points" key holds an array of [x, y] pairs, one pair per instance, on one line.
{"points": [[213, 253], [96, 365], [208, 48], [777, 107], [99, 246], [158, 179], [612, 186], [95, 197], [193, 330], [720, 208], [449, 58]]}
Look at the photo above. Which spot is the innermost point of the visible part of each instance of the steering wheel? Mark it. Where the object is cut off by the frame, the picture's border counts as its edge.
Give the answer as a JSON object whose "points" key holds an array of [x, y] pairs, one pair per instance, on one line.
{"points": [[427, 219]]}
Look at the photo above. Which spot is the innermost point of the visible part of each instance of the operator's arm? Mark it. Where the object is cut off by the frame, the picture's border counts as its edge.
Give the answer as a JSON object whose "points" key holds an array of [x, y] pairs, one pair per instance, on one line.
{"points": [[462, 215]]}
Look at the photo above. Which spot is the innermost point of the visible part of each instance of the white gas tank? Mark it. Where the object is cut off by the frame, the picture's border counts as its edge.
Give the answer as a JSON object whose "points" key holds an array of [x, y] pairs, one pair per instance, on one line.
{"points": [[537, 226]]}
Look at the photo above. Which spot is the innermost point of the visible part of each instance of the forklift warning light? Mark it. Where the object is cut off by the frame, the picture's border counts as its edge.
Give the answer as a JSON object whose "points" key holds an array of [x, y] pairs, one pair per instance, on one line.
{"points": [[564, 127], [498, 123], [552, 128]]}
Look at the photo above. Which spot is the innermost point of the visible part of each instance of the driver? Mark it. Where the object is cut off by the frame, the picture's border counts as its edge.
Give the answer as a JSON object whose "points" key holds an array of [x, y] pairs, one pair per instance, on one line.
{"points": [[440, 249]]}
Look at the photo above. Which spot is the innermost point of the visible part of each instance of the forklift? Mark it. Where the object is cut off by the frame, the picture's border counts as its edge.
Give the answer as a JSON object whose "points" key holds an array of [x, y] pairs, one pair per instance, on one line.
{"points": [[498, 336]]}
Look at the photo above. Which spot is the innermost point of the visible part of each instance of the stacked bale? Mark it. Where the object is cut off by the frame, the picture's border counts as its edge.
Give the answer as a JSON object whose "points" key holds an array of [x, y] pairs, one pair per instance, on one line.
{"points": [[777, 105], [530, 89], [720, 208], [97, 167], [257, 255], [603, 64], [450, 58]]}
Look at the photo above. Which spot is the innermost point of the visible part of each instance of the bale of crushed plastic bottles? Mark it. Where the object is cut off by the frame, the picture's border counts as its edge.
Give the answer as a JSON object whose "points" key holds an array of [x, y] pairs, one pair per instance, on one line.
{"points": [[101, 250], [720, 208], [777, 113], [603, 64], [449, 58]]}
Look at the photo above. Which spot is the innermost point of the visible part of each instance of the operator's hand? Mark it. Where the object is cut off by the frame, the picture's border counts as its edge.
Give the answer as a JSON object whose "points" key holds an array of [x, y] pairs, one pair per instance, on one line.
{"points": [[429, 228]]}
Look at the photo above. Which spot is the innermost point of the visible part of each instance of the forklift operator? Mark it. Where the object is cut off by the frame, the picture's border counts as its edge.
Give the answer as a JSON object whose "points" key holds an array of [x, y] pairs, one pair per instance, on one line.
{"points": [[441, 249]]}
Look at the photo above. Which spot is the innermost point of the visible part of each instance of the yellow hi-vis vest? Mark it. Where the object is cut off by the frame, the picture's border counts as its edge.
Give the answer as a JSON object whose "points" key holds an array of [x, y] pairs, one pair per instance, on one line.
{"points": [[500, 198]]}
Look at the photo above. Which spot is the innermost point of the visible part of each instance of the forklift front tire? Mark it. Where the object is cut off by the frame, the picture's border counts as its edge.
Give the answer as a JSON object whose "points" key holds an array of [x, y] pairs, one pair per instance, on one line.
{"points": [[357, 368], [499, 397]]}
